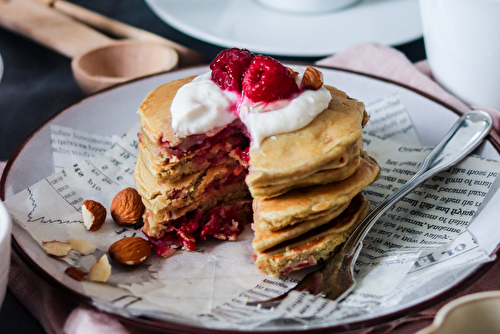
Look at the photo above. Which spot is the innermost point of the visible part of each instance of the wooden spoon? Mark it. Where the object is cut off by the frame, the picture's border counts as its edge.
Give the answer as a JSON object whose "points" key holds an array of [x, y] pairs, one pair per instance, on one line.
{"points": [[121, 30], [98, 61]]}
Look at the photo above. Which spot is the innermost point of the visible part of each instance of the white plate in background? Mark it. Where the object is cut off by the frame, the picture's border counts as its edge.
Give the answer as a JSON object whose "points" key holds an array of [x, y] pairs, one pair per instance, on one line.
{"points": [[249, 24]]}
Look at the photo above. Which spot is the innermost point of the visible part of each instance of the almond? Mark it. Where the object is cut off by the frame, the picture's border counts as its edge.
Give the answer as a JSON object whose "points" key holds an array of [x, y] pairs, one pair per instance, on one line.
{"points": [[75, 273], [127, 207], [312, 79], [56, 248], [294, 74], [130, 251], [82, 246], [94, 215], [100, 271], [186, 236]]}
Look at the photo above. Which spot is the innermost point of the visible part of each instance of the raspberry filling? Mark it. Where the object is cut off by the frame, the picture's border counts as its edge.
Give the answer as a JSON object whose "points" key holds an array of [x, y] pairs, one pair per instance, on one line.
{"points": [[303, 264], [223, 222], [237, 175], [244, 155], [231, 135]]}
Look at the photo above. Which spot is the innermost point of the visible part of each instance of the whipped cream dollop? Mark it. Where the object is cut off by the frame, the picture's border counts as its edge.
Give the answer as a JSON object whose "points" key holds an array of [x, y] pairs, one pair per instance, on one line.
{"points": [[201, 106]]}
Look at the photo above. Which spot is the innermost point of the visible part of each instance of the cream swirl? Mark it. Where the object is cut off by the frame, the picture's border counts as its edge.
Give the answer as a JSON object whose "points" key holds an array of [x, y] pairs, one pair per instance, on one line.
{"points": [[201, 106]]}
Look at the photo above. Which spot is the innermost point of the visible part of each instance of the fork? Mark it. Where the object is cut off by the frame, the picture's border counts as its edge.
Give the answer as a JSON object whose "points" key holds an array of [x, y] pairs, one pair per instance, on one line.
{"points": [[335, 279]]}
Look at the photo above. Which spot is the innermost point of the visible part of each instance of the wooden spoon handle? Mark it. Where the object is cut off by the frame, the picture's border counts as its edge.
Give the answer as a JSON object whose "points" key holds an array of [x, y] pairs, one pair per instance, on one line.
{"points": [[121, 30], [49, 27]]}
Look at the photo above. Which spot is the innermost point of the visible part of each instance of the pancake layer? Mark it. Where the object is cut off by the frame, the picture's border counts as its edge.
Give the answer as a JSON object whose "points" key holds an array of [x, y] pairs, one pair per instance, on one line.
{"points": [[315, 245]]}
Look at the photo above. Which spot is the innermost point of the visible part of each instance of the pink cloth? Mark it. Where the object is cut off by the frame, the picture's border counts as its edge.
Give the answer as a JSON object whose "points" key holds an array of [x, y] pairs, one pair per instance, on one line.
{"points": [[59, 314]]}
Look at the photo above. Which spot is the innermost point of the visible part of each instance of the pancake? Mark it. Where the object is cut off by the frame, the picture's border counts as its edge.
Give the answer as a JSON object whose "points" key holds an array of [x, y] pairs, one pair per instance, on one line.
{"points": [[298, 205], [318, 178], [212, 155], [299, 183], [159, 138], [154, 113], [320, 243], [265, 239], [154, 221], [325, 143], [172, 195]]}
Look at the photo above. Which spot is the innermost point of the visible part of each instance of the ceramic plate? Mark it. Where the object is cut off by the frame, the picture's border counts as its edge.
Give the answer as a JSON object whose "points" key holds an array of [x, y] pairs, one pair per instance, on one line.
{"points": [[114, 111], [248, 24]]}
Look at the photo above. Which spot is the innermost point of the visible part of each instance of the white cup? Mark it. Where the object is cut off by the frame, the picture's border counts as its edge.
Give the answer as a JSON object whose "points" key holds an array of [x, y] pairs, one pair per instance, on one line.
{"points": [[307, 6], [5, 229], [462, 42], [476, 313]]}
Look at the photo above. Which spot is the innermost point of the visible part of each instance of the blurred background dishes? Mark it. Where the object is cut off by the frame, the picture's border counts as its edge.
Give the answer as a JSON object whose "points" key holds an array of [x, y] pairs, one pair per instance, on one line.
{"points": [[261, 29], [307, 6], [462, 42], [5, 229], [476, 313]]}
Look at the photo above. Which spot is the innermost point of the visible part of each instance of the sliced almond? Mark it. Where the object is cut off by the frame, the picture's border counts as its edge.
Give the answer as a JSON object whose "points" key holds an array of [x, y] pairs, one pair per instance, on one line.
{"points": [[312, 79], [101, 270], [83, 247], [94, 215], [56, 248], [294, 74], [75, 273], [130, 251], [187, 237]]}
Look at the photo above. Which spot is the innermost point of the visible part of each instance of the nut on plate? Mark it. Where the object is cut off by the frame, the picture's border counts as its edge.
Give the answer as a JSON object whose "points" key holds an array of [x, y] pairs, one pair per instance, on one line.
{"points": [[56, 248], [127, 207], [100, 271], [75, 273], [312, 79], [94, 215], [130, 251], [83, 247]]}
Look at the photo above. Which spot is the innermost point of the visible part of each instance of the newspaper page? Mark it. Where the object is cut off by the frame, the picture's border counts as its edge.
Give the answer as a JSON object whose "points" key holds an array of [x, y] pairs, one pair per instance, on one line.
{"points": [[419, 246]]}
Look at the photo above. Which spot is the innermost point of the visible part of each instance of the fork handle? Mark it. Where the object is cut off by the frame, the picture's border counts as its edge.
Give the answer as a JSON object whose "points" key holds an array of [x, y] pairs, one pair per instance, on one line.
{"points": [[466, 134]]}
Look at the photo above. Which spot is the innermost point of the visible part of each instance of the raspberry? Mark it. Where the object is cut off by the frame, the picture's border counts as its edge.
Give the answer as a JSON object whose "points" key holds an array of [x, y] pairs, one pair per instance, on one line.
{"points": [[229, 67], [266, 79]]}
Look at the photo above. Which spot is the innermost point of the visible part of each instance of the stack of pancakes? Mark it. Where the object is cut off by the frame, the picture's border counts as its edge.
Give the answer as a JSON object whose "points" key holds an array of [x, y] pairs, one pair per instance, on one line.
{"points": [[306, 187], [192, 187]]}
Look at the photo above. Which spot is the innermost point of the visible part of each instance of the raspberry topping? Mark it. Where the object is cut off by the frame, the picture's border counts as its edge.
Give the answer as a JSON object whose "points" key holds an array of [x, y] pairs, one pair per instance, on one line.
{"points": [[267, 80], [229, 67]]}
